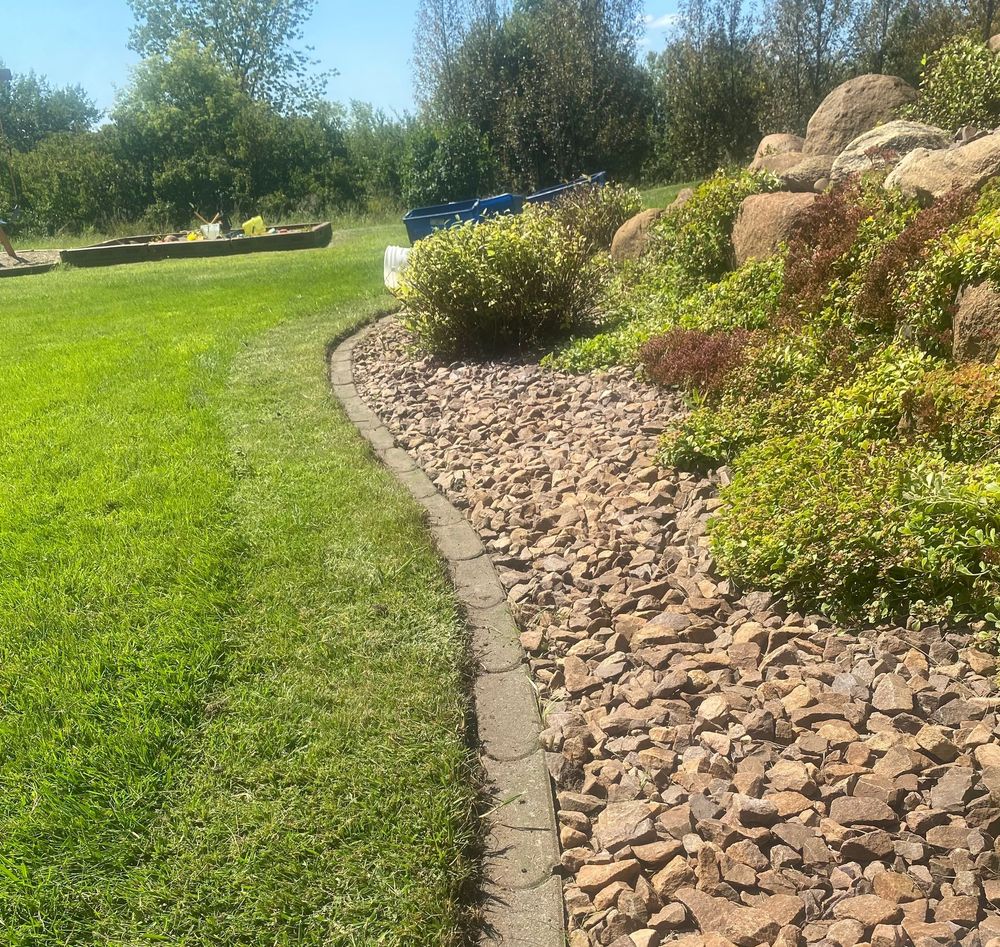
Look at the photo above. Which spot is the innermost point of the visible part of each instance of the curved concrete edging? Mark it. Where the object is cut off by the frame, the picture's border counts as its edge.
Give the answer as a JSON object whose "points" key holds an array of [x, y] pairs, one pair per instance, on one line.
{"points": [[523, 893]]}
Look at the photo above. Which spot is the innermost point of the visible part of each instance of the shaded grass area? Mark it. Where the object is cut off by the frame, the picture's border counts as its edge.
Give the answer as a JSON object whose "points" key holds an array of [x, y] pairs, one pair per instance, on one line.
{"points": [[230, 666]]}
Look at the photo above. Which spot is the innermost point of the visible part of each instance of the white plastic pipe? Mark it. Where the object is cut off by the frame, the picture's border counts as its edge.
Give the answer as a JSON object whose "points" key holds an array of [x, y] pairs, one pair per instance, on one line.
{"points": [[396, 259]]}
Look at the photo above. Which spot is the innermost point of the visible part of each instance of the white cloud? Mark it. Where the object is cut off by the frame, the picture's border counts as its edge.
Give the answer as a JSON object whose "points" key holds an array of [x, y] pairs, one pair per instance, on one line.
{"points": [[665, 22]]}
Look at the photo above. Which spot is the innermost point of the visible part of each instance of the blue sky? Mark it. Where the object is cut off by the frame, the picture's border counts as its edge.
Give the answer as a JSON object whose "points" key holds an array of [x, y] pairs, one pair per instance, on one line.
{"points": [[368, 42]]}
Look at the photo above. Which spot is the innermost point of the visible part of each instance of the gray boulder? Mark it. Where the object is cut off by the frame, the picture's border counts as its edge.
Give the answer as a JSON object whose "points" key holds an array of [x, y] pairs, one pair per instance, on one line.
{"points": [[885, 146], [968, 133], [765, 221], [977, 324], [929, 174], [855, 106], [779, 144], [632, 239], [777, 164], [805, 177]]}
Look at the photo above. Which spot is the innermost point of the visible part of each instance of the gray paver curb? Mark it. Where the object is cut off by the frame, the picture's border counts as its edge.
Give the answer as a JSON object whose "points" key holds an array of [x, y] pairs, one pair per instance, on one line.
{"points": [[523, 893]]}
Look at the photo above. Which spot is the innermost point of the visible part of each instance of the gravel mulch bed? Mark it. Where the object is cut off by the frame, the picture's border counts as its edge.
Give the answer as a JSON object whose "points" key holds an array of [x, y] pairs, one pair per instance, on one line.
{"points": [[727, 771]]}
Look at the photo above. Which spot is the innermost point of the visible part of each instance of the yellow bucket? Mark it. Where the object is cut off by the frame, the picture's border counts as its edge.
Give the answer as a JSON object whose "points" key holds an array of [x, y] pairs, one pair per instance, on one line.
{"points": [[254, 227]]}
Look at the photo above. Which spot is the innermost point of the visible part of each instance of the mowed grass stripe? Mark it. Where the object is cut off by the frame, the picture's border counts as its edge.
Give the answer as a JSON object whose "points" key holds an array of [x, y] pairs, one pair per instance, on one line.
{"points": [[229, 664]]}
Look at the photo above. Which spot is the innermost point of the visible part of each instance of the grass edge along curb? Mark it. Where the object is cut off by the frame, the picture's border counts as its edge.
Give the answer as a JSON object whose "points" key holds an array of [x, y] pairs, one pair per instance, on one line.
{"points": [[522, 890]]}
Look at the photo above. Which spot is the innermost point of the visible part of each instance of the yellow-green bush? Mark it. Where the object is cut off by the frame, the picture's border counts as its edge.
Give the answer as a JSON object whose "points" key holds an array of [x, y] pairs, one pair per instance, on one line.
{"points": [[596, 212], [507, 284], [866, 532], [959, 85]]}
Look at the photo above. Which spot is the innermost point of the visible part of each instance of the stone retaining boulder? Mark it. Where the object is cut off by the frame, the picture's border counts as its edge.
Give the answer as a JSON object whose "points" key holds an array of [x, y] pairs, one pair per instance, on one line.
{"points": [[777, 164], [779, 144], [929, 174], [765, 221], [994, 43], [805, 176], [977, 324], [856, 106], [885, 146], [683, 196], [632, 239]]}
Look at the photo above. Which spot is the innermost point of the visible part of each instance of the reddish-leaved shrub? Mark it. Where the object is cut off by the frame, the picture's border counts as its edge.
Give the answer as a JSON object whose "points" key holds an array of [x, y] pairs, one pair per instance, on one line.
{"points": [[694, 359], [821, 238]]}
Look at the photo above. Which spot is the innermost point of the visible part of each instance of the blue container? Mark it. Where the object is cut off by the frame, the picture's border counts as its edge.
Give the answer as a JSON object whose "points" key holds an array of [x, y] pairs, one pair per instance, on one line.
{"points": [[423, 221], [551, 193]]}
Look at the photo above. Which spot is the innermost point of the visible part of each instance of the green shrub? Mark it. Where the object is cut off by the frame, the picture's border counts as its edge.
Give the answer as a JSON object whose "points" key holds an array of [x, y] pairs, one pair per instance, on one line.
{"points": [[871, 406], [638, 308], [959, 85], [862, 533], [716, 434], [618, 345], [447, 164], [596, 213], [968, 253], [508, 284], [694, 240]]}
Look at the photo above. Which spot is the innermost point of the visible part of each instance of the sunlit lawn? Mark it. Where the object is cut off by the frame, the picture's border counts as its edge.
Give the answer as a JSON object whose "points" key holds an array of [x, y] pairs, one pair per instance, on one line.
{"points": [[230, 667], [664, 195]]}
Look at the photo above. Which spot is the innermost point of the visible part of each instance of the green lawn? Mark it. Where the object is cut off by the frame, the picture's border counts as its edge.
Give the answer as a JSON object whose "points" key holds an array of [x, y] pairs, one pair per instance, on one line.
{"points": [[230, 664], [664, 195]]}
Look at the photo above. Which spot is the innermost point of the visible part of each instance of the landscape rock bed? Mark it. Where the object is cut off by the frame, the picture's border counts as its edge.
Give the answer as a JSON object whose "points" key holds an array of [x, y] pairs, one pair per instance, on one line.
{"points": [[727, 771]]}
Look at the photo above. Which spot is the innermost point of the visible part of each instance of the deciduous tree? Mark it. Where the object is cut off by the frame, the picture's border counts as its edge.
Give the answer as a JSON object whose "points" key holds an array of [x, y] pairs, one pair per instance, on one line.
{"points": [[259, 42], [31, 109]]}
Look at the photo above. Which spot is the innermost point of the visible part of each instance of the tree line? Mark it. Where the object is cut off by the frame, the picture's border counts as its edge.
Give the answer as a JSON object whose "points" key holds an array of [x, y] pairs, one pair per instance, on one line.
{"points": [[226, 110]]}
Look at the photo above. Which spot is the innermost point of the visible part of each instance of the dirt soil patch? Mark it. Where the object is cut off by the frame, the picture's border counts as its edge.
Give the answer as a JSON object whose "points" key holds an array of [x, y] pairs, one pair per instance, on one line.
{"points": [[727, 771]]}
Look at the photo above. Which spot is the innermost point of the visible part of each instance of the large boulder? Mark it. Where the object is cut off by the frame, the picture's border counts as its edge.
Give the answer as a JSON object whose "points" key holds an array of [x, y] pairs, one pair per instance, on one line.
{"points": [[683, 196], [884, 146], [632, 238], [994, 43], [779, 144], [765, 221], [856, 106], [809, 172], [929, 174], [777, 164], [977, 324]]}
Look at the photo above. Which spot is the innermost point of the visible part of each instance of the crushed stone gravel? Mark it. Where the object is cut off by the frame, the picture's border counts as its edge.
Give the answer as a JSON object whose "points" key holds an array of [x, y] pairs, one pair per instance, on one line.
{"points": [[727, 771]]}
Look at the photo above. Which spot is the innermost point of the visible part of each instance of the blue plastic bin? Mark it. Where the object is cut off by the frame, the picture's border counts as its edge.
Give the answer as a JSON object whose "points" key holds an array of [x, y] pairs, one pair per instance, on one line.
{"points": [[423, 221], [551, 193]]}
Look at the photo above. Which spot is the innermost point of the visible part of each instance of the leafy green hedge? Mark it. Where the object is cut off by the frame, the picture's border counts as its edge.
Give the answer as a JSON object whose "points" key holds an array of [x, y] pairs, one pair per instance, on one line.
{"points": [[959, 85], [508, 284]]}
